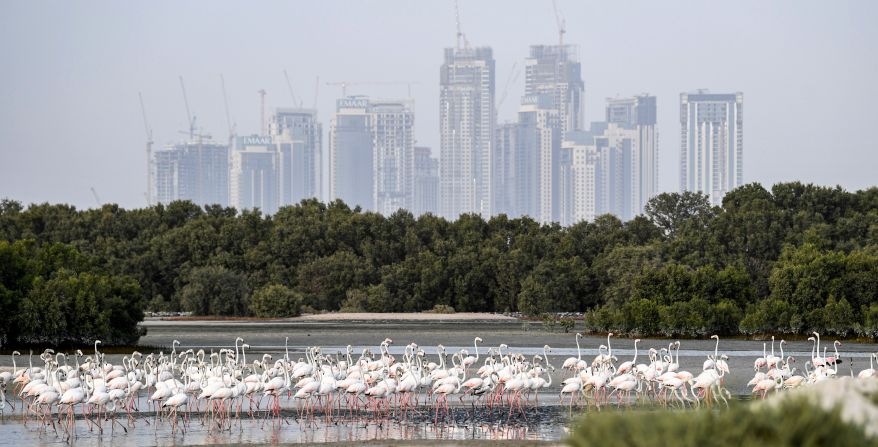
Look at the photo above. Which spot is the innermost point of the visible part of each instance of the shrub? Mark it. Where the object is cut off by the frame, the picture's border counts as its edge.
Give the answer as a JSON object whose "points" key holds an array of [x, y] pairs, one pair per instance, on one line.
{"points": [[276, 301], [838, 317], [214, 290], [790, 423], [640, 317], [870, 321], [770, 316], [601, 319], [355, 301], [724, 317], [441, 309]]}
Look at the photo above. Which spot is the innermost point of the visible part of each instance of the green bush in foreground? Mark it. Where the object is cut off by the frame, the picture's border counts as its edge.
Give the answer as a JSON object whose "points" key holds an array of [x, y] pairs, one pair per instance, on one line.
{"points": [[791, 423], [276, 301]]}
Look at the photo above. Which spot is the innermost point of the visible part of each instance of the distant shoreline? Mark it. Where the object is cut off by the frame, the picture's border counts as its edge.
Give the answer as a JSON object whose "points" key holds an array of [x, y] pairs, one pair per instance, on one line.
{"points": [[344, 316]]}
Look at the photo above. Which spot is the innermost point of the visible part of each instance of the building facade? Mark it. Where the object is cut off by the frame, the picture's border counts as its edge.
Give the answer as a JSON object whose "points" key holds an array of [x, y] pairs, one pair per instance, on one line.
{"points": [[711, 143], [538, 158], [426, 183], [254, 174], [393, 156], [298, 140], [576, 181], [372, 154], [638, 113], [197, 171], [466, 131], [555, 71], [597, 173], [506, 166], [350, 153]]}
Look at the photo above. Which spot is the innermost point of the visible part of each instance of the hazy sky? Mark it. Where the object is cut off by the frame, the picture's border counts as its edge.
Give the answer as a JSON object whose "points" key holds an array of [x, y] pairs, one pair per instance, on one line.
{"points": [[70, 73]]}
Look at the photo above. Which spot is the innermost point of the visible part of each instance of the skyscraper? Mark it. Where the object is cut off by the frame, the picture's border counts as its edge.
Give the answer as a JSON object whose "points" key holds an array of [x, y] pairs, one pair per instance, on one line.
{"points": [[638, 113], [372, 154], [197, 171], [554, 70], [506, 166], [711, 142], [350, 153], [298, 140], [576, 181], [254, 174], [393, 155], [615, 148], [466, 131], [426, 193], [597, 173], [537, 158]]}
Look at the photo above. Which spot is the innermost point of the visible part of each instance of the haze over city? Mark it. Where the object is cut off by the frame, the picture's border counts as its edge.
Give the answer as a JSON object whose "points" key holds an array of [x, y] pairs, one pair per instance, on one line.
{"points": [[70, 118]]}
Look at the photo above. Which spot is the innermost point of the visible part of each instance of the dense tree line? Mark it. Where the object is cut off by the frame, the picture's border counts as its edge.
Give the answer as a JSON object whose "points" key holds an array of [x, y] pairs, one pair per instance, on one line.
{"points": [[793, 259]]}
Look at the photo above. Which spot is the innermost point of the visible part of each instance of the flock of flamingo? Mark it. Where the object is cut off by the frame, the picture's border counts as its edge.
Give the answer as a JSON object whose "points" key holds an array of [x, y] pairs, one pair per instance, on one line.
{"points": [[779, 375], [221, 387]]}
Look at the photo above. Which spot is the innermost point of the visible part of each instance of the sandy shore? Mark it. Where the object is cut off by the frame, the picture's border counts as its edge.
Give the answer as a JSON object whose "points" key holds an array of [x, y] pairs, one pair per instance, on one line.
{"points": [[333, 317], [460, 316]]}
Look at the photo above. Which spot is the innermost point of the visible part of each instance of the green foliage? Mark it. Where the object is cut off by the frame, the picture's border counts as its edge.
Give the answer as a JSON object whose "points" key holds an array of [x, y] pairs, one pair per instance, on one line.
{"points": [[213, 290], [791, 423], [79, 308], [792, 259], [567, 324], [549, 322], [276, 301], [672, 212], [441, 309], [356, 301]]}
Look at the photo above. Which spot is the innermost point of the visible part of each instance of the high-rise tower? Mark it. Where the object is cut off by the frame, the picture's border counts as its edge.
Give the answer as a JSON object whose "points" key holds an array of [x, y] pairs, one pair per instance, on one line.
{"points": [[711, 142], [195, 170], [253, 178], [638, 113], [466, 131], [372, 154], [298, 140], [555, 71]]}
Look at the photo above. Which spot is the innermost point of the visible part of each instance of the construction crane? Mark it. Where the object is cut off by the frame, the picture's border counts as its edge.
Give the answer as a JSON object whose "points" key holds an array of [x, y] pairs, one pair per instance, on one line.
{"points": [[344, 85], [261, 93], [193, 135], [95, 195], [228, 116], [189, 117], [460, 36], [149, 142], [513, 76], [290, 87], [562, 25]]}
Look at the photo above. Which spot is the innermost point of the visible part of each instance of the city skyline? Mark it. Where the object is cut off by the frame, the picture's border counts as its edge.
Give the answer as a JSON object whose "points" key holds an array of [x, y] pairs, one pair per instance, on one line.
{"points": [[780, 143]]}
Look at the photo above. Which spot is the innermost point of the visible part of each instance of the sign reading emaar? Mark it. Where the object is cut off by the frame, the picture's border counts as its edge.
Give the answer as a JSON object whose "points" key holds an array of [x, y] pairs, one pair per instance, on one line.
{"points": [[352, 103], [254, 140]]}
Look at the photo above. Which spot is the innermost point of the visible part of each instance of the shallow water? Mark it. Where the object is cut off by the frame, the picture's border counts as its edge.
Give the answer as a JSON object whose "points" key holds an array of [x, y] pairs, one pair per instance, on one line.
{"points": [[547, 422], [543, 424]]}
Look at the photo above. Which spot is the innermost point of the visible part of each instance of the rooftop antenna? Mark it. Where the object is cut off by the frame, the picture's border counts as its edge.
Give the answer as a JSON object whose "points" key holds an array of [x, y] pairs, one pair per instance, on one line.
{"points": [[228, 116], [189, 117], [149, 142], [290, 87], [559, 20], [262, 112], [460, 35]]}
